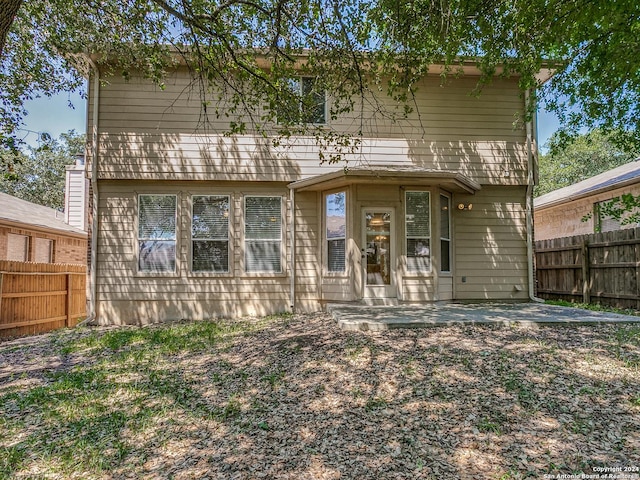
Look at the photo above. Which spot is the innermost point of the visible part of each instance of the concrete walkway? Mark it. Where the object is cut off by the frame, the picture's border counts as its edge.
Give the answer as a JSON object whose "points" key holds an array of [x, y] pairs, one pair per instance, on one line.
{"points": [[364, 317]]}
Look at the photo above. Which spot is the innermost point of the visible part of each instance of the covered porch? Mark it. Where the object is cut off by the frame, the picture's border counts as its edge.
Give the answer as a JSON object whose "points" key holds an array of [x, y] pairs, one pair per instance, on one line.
{"points": [[384, 234]]}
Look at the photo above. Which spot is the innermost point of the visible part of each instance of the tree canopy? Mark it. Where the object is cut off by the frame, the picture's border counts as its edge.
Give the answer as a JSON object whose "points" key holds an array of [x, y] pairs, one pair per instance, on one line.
{"points": [[583, 157], [349, 45], [39, 174]]}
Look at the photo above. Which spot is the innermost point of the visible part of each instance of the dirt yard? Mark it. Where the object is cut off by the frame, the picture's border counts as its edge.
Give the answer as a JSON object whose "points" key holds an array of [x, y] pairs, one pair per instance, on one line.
{"points": [[294, 397]]}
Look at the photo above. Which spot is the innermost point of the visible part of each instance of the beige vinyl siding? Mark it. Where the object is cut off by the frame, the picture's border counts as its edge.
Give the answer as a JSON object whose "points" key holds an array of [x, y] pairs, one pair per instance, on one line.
{"points": [[418, 289], [490, 249], [127, 296], [307, 245], [75, 198], [445, 288], [148, 133]]}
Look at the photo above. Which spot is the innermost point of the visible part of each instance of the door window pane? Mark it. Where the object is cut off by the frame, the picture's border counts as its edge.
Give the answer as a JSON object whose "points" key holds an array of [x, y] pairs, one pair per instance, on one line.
{"points": [[378, 248]]}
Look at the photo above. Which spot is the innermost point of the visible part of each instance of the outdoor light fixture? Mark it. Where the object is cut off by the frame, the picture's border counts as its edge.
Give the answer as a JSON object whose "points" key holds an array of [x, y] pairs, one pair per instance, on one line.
{"points": [[462, 206]]}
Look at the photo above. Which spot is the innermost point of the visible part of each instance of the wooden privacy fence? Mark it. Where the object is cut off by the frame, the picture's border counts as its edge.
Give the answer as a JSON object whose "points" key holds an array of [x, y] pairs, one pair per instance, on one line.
{"points": [[599, 268], [38, 297]]}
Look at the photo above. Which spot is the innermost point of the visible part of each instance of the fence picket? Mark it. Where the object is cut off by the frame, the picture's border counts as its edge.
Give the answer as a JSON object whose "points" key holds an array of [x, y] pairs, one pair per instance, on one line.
{"points": [[602, 268], [38, 297]]}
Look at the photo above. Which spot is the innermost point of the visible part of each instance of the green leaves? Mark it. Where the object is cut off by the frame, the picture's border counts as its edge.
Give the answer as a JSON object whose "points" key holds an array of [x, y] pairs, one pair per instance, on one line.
{"points": [[242, 51], [573, 159], [39, 175]]}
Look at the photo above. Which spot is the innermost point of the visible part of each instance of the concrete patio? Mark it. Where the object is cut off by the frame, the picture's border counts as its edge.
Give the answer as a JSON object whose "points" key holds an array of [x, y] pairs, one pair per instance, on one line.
{"points": [[367, 317]]}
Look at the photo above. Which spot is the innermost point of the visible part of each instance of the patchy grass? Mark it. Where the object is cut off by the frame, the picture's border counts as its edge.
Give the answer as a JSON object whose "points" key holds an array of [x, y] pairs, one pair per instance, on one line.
{"points": [[295, 397], [595, 307]]}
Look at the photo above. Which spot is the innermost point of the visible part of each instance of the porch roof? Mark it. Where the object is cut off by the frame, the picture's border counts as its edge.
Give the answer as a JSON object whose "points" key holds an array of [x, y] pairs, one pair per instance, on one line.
{"points": [[389, 175]]}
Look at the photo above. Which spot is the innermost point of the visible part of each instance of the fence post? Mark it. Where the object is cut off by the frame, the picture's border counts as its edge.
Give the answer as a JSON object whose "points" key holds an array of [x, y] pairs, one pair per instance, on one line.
{"points": [[67, 322], [586, 276]]}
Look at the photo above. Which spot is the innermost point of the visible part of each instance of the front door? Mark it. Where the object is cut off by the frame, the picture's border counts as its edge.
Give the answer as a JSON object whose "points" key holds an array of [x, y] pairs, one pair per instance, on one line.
{"points": [[378, 256]]}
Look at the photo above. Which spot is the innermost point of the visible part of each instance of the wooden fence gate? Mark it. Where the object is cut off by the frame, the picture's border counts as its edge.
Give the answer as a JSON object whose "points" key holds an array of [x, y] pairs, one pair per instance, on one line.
{"points": [[599, 268], [38, 297]]}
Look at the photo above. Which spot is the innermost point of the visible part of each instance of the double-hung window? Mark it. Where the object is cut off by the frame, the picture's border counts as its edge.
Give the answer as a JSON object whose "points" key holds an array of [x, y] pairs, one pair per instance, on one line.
{"points": [[310, 106], [418, 231], [336, 225], [157, 233], [445, 233], [210, 233], [263, 234]]}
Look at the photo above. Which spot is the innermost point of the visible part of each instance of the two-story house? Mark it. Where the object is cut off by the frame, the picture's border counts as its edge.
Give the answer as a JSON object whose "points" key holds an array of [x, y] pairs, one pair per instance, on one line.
{"points": [[190, 223]]}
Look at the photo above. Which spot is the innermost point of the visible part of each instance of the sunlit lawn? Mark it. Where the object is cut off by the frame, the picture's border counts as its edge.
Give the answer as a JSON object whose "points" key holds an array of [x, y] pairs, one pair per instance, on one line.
{"points": [[295, 397]]}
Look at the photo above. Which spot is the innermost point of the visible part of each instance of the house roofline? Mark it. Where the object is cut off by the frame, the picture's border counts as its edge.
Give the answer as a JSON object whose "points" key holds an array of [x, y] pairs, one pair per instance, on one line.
{"points": [[43, 228], [586, 193], [467, 66], [451, 180]]}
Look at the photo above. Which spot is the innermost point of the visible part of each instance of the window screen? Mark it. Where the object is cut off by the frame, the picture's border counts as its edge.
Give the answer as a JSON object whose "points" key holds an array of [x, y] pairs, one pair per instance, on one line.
{"points": [[262, 234], [157, 233], [336, 224], [44, 250], [210, 233], [17, 247], [418, 230]]}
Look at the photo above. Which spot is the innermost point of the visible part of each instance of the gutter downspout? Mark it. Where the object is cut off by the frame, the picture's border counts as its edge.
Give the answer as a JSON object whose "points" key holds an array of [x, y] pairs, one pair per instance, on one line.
{"points": [[531, 135], [93, 287], [292, 233]]}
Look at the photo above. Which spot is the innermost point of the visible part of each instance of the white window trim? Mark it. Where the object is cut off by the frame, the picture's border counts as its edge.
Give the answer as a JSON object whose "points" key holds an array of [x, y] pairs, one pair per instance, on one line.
{"points": [[325, 241], [156, 273], [283, 253], [425, 272], [446, 273], [230, 266]]}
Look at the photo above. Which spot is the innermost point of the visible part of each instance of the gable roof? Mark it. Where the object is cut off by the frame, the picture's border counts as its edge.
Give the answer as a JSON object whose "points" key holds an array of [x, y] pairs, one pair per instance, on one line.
{"points": [[18, 211], [626, 174]]}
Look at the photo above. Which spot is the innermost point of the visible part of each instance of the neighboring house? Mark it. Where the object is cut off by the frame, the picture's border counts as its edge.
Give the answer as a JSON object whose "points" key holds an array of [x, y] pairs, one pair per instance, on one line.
{"points": [[560, 213], [33, 233], [195, 224]]}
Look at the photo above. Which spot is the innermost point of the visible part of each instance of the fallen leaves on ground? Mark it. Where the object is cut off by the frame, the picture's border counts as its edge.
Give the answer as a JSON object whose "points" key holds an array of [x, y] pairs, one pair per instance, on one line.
{"points": [[297, 398]]}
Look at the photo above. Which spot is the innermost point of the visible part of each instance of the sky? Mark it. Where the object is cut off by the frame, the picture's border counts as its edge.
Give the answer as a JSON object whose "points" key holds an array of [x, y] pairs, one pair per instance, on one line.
{"points": [[53, 116]]}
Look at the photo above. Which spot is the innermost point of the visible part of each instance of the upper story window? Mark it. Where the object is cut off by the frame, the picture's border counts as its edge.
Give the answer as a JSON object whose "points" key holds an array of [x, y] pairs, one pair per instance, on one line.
{"points": [[157, 233], [263, 234], [210, 233], [418, 231], [445, 233], [336, 229], [311, 107]]}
